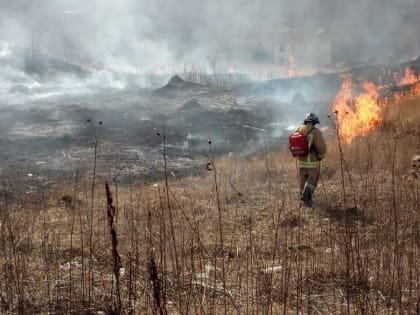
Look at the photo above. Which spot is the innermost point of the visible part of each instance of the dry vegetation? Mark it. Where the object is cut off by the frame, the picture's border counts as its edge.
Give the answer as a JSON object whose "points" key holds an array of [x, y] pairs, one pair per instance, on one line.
{"points": [[234, 242]]}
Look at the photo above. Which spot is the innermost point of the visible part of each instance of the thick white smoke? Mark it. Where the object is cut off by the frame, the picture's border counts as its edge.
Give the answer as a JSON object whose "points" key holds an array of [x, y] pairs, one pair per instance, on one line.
{"points": [[139, 35]]}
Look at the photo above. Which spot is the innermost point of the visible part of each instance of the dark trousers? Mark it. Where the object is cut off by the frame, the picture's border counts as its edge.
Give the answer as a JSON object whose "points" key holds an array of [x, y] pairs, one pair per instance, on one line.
{"points": [[308, 176]]}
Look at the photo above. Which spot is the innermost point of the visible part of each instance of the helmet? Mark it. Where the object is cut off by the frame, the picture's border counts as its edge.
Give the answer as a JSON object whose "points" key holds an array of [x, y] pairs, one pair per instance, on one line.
{"points": [[311, 118]]}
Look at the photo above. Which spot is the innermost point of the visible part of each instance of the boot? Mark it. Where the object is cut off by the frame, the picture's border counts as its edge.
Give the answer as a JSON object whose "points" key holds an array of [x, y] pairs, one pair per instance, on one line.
{"points": [[306, 196]]}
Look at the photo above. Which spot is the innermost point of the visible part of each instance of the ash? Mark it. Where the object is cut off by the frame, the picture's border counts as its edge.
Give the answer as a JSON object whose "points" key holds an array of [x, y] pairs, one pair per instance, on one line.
{"points": [[52, 136]]}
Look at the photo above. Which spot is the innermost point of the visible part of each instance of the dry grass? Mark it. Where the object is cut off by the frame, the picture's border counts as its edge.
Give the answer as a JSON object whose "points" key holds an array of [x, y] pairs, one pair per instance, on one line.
{"points": [[247, 247]]}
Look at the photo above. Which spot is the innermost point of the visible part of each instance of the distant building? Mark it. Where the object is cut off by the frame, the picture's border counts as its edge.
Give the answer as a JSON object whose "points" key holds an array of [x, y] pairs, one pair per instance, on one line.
{"points": [[328, 32]]}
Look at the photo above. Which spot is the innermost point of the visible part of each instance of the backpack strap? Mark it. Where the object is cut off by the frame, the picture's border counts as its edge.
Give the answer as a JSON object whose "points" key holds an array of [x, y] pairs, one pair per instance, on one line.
{"points": [[313, 127], [297, 130], [309, 144]]}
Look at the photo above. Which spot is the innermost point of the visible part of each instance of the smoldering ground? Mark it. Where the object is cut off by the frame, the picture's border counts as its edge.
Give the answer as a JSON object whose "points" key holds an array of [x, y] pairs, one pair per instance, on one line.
{"points": [[59, 134], [67, 62]]}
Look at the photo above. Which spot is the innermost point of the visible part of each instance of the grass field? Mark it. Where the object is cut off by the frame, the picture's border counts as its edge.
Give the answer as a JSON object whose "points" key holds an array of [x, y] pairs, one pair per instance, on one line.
{"points": [[236, 241]]}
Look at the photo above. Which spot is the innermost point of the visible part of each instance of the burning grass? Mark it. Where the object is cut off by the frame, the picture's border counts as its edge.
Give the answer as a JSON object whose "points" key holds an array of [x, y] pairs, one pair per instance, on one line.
{"points": [[360, 113], [234, 241]]}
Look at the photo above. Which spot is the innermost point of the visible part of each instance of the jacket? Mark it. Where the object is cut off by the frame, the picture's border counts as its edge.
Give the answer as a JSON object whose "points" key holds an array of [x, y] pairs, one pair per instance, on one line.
{"points": [[317, 147]]}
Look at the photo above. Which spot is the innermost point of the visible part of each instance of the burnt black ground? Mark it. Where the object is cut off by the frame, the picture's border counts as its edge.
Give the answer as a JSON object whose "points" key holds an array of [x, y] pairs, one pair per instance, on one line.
{"points": [[52, 137]]}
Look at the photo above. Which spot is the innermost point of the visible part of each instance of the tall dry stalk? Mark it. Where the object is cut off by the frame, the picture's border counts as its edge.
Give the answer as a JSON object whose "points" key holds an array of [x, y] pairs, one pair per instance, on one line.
{"points": [[341, 156], [159, 305], [115, 255], [92, 198], [396, 222], [220, 224], [347, 236], [73, 218], [171, 222]]}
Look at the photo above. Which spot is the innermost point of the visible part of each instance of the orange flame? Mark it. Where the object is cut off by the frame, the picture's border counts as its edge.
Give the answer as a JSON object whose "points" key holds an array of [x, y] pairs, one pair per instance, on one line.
{"points": [[293, 71], [416, 89], [357, 116], [412, 80], [410, 77]]}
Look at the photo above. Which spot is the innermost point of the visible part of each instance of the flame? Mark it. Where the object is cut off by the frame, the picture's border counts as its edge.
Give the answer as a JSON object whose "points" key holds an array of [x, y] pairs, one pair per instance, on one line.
{"points": [[410, 77], [357, 116], [293, 71], [416, 89], [361, 115]]}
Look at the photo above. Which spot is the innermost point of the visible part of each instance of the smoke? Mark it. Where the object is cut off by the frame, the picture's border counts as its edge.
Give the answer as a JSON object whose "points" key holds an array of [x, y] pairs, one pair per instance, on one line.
{"points": [[139, 35]]}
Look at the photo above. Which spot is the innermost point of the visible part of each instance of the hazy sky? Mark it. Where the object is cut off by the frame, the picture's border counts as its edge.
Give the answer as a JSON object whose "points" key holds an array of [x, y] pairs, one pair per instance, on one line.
{"points": [[147, 34]]}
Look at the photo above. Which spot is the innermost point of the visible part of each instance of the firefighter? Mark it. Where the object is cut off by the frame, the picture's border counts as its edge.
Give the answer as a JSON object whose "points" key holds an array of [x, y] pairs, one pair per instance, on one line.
{"points": [[309, 166]]}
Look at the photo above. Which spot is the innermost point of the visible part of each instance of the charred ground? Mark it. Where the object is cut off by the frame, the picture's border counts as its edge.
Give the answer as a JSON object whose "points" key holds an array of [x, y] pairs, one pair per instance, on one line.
{"points": [[57, 135], [236, 240]]}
